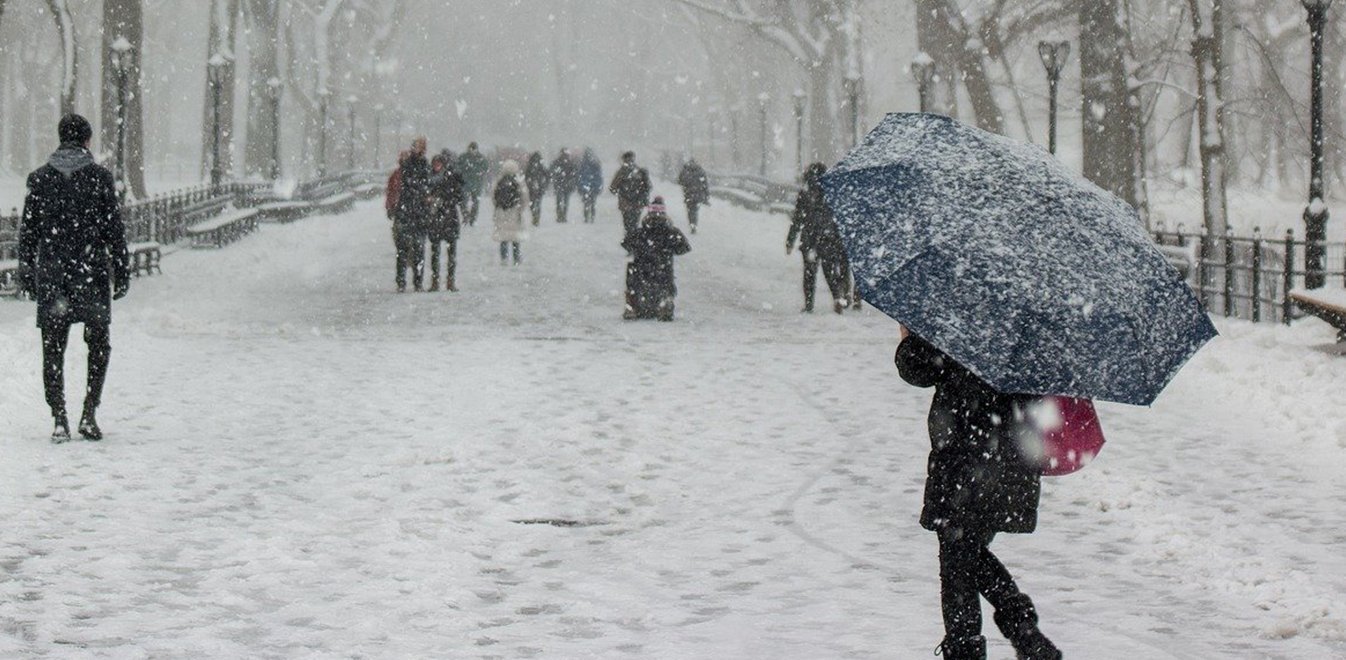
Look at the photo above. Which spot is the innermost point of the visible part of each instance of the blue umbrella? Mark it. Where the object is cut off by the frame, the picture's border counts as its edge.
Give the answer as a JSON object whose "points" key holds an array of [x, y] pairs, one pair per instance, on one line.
{"points": [[1037, 281]]}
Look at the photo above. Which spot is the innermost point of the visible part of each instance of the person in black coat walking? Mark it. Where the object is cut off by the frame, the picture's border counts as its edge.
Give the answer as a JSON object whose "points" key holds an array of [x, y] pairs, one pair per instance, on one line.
{"points": [[411, 216], [447, 195], [564, 178], [650, 285], [536, 177], [980, 481], [590, 183], [73, 259], [819, 240], [631, 184], [695, 190]]}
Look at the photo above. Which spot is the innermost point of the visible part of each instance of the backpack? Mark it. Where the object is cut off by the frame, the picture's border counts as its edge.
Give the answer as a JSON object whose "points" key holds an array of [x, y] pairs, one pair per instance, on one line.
{"points": [[507, 193], [635, 186]]}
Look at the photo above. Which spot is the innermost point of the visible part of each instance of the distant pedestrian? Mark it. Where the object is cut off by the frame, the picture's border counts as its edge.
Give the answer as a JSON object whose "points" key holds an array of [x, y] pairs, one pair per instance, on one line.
{"points": [[564, 178], [650, 286], [980, 482], [446, 191], [695, 190], [73, 259], [590, 183], [536, 175], [631, 184], [511, 198], [819, 240], [411, 216], [473, 166]]}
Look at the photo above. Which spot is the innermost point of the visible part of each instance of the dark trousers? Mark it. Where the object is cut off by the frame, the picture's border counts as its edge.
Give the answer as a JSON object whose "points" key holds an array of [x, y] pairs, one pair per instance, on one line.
{"points": [[535, 205], [692, 210], [630, 219], [450, 259], [834, 272], [410, 255], [55, 337], [471, 205], [504, 251], [562, 205], [967, 570], [590, 205]]}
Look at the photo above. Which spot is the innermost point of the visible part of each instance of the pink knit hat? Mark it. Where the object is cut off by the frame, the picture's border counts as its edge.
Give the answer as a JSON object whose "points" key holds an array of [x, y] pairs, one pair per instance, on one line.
{"points": [[657, 206]]}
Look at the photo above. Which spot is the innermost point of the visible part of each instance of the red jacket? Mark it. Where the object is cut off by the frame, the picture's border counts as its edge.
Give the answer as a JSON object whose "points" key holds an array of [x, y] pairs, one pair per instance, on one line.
{"points": [[394, 191]]}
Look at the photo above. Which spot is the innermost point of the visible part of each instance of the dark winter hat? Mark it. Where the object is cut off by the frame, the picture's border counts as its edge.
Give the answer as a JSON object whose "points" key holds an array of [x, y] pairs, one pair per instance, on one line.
{"points": [[74, 129], [629, 157], [472, 146]]}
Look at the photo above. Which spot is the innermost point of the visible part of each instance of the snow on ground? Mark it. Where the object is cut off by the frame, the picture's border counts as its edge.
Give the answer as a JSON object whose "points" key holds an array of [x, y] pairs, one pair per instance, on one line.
{"points": [[301, 463]]}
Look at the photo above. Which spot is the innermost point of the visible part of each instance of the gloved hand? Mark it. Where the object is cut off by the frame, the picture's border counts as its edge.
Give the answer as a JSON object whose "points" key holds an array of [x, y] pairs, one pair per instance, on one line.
{"points": [[121, 287], [789, 248]]}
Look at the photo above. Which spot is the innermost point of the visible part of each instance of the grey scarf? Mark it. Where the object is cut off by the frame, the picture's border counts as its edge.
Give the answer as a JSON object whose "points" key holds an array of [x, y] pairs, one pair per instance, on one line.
{"points": [[70, 159]]}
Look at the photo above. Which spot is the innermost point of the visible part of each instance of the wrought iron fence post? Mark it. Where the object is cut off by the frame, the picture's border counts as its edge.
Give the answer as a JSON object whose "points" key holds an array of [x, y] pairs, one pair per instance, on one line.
{"points": [[1287, 307], [1257, 275], [1203, 268]]}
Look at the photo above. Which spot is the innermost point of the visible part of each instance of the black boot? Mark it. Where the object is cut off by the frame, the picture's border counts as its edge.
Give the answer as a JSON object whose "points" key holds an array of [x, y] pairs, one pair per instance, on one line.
{"points": [[88, 426], [61, 429], [1019, 624], [962, 648]]}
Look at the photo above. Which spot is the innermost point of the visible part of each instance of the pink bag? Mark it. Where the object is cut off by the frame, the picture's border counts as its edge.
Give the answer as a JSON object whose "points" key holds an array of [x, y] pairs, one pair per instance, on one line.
{"points": [[1070, 434]]}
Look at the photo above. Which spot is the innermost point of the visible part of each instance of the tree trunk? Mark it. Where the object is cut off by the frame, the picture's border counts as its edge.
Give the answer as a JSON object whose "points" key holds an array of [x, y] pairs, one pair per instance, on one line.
{"points": [[824, 125], [263, 38], [65, 32], [123, 19], [1206, 28], [1109, 115], [934, 36], [223, 24]]}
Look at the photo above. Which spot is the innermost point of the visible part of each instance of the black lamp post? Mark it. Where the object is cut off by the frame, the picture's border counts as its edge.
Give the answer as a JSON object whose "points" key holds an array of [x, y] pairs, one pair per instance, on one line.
{"points": [[761, 108], [1054, 55], [275, 86], [799, 129], [216, 66], [121, 49], [378, 134], [350, 154], [923, 70], [323, 95], [734, 146], [710, 135], [1315, 215]]}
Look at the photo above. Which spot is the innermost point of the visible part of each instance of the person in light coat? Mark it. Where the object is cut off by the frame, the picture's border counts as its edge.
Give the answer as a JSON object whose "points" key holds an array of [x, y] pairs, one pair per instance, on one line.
{"points": [[511, 200]]}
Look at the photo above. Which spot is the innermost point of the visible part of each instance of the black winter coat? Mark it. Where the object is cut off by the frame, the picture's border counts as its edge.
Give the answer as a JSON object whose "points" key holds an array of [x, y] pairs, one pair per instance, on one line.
{"points": [[72, 244], [536, 176], [564, 175], [447, 192], [814, 226], [631, 184], [978, 478], [653, 246], [413, 203], [695, 187]]}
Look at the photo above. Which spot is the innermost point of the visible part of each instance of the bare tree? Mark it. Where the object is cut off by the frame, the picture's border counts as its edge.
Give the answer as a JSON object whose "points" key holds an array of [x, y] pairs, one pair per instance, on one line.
{"points": [[65, 27], [1207, 37], [1109, 103]]}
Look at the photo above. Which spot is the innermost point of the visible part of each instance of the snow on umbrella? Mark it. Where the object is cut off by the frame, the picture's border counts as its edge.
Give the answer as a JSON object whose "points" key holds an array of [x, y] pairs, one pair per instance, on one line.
{"points": [[1036, 280]]}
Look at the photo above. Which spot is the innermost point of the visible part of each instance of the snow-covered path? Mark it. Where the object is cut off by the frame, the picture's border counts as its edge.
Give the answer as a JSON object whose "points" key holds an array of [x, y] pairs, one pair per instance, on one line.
{"points": [[303, 464]]}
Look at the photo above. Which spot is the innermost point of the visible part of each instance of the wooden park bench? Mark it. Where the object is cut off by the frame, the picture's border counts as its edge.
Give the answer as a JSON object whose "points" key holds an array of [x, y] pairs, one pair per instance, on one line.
{"points": [[1326, 304], [223, 229], [369, 191], [288, 211], [335, 203], [145, 258]]}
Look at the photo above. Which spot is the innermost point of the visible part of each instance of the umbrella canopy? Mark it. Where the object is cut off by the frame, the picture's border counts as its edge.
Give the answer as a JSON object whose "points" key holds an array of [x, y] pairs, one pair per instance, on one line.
{"points": [[1037, 281]]}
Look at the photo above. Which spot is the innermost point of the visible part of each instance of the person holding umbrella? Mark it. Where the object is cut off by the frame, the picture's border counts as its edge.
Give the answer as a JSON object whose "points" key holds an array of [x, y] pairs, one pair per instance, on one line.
{"points": [[1014, 282]]}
